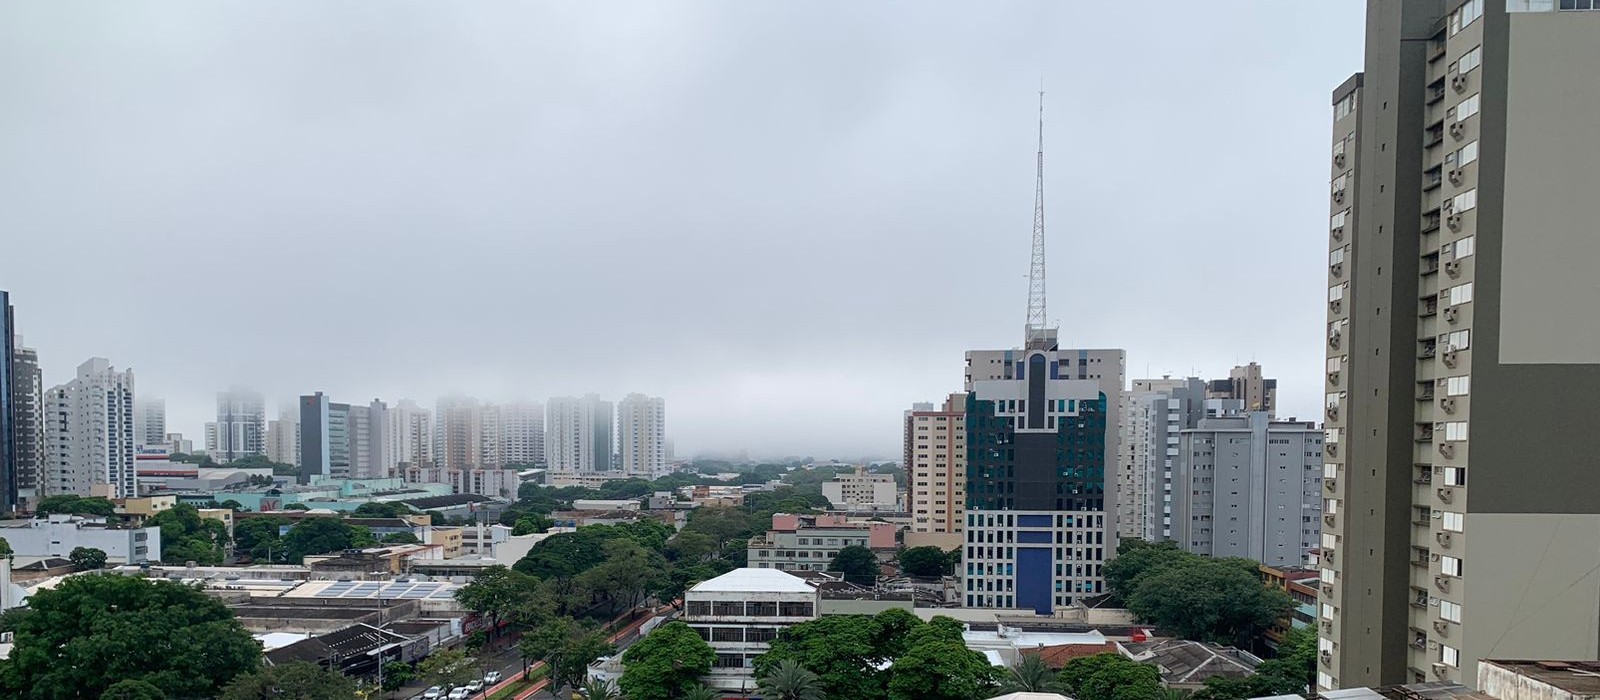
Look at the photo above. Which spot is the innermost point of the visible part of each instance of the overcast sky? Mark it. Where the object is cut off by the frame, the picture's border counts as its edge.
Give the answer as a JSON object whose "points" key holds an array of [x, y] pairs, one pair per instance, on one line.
{"points": [[789, 219]]}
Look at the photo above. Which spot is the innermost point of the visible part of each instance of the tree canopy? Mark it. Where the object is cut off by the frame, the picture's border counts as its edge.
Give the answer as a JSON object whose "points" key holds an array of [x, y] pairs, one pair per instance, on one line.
{"points": [[257, 537], [1109, 677], [299, 680], [857, 563], [319, 536], [91, 632], [1209, 600], [665, 664], [87, 558], [852, 656], [928, 561], [185, 536], [68, 504], [937, 665]]}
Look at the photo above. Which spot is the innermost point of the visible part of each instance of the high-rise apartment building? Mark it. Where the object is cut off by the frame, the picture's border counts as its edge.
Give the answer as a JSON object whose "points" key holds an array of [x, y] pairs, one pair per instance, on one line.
{"points": [[283, 435], [1156, 411], [1248, 486], [410, 434], [458, 433], [241, 425], [641, 435], [369, 448], [936, 472], [521, 434], [324, 437], [1245, 383], [27, 436], [8, 420], [578, 434], [150, 422], [1462, 349], [89, 441]]}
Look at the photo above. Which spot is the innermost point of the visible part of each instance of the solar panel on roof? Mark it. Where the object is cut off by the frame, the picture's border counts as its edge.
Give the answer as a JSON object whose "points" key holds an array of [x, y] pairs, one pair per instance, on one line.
{"points": [[414, 594]]}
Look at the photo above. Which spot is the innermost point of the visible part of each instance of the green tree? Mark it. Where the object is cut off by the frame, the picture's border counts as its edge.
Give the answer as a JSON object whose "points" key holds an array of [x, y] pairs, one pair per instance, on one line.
{"points": [[299, 680], [925, 561], [6, 551], [857, 563], [133, 690], [361, 537], [700, 692], [1109, 677], [1029, 675], [566, 648], [92, 631], [446, 667], [937, 665], [666, 663], [788, 680], [396, 674], [599, 689], [691, 546], [532, 523], [257, 537], [400, 538], [567, 554], [1136, 557], [87, 558], [845, 651], [185, 536], [627, 574], [380, 509], [67, 504], [1208, 600], [297, 506], [317, 536]]}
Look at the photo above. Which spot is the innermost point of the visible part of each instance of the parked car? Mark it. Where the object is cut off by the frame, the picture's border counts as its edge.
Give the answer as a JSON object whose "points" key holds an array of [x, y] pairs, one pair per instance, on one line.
{"points": [[491, 678], [474, 686], [460, 693], [433, 693]]}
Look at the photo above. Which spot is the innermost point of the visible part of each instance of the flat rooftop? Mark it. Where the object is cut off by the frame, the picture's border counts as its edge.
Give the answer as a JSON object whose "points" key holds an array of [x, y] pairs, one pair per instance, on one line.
{"points": [[1576, 677]]}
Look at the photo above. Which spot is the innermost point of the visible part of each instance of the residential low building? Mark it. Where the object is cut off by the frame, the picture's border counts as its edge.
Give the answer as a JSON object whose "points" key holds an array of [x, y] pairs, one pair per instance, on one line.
{"points": [[1300, 583], [58, 535], [810, 542], [862, 491], [1186, 664], [604, 504], [739, 614], [593, 480]]}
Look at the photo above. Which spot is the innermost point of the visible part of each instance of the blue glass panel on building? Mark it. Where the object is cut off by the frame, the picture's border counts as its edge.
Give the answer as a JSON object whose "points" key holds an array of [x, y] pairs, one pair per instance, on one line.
{"points": [[1033, 521], [1033, 537], [1033, 579]]}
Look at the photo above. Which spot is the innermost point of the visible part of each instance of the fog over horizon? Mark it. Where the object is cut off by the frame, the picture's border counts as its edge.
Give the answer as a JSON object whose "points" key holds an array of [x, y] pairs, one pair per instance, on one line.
{"points": [[789, 220]]}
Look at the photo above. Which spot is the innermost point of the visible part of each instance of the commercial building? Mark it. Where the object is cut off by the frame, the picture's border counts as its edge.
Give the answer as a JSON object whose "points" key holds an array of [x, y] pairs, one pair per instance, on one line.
{"points": [[810, 542], [241, 425], [1248, 486], [58, 535], [283, 436], [369, 448], [324, 438], [578, 434], [936, 472], [8, 417], [1155, 412], [739, 614], [494, 483], [89, 444], [458, 438], [642, 436], [861, 491], [1462, 352], [27, 423], [521, 434], [150, 422]]}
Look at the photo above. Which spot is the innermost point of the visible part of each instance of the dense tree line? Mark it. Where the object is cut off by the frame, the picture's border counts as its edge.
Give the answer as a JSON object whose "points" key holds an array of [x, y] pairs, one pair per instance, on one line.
{"points": [[1194, 597]]}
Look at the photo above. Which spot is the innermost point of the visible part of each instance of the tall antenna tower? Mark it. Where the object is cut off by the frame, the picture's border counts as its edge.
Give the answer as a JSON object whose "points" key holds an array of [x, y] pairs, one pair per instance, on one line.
{"points": [[1038, 331]]}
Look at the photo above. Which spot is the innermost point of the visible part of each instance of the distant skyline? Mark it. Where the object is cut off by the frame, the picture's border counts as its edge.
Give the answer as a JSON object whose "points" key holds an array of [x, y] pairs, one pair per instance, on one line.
{"points": [[789, 220]]}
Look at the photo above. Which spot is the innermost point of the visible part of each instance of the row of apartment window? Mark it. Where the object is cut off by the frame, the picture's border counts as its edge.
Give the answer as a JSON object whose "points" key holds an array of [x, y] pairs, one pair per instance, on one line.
{"points": [[1009, 536], [1010, 520], [735, 634], [791, 554], [739, 608], [833, 541]]}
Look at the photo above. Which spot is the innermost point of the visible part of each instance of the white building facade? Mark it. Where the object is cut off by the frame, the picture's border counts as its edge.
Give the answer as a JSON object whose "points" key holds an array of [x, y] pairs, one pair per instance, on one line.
{"points": [[150, 422], [241, 425], [521, 434], [58, 535], [89, 434], [578, 434], [410, 434], [641, 435], [862, 491], [739, 614]]}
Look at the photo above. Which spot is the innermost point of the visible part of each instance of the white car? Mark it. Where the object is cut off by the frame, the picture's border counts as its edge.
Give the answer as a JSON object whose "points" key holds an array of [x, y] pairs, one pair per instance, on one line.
{"points": [[460, 693], [474, 686], [433, 693], [491, 678]]}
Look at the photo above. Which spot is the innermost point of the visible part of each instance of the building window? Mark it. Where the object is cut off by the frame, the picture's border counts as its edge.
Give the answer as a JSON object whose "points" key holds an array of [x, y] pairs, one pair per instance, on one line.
{"points": [[1455, 476], [761, 608], [721, 608], [1327, 611], [1452, 521], [1465, 15], [1457, 386], [729, 661], [1467, 108], [1455, 431], [1463, 157], [1450, 566], [1450, 656], [1464, 247], [1459, 340], [1450, 611], [698, 608], [1579, 5], [1466, 201], [795, 609], [727, 634], [1470, 60]]}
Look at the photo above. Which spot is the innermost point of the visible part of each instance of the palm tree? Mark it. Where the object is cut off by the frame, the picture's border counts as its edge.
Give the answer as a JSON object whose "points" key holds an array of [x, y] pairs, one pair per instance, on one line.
{"points": [[790, 681], [600, 689], [701, 692], [1030, 675]]}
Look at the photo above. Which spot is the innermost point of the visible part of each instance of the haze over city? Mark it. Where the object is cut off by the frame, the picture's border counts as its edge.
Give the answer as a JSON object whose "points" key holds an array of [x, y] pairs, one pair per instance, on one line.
{"points": [[789, 221]]}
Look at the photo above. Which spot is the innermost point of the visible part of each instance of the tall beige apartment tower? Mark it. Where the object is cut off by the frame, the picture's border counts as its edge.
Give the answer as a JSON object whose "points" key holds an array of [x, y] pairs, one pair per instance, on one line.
{"points": [[936, 472], [1461, 516]]}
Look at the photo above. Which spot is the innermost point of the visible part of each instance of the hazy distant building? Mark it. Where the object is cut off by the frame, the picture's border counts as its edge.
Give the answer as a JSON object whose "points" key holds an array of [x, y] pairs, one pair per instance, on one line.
{"points": [[27, 435], [150, 421], [283, 436], [241, 425], [641, 435], [324, 437], [578, 434], [1248, 486], [8, 417], [936, 472], [178, 443], [1157, 411], [521, 434], [369, 449], [410, 434], [861, 491], [1246, 384], [89, 437], [458, 433]]}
